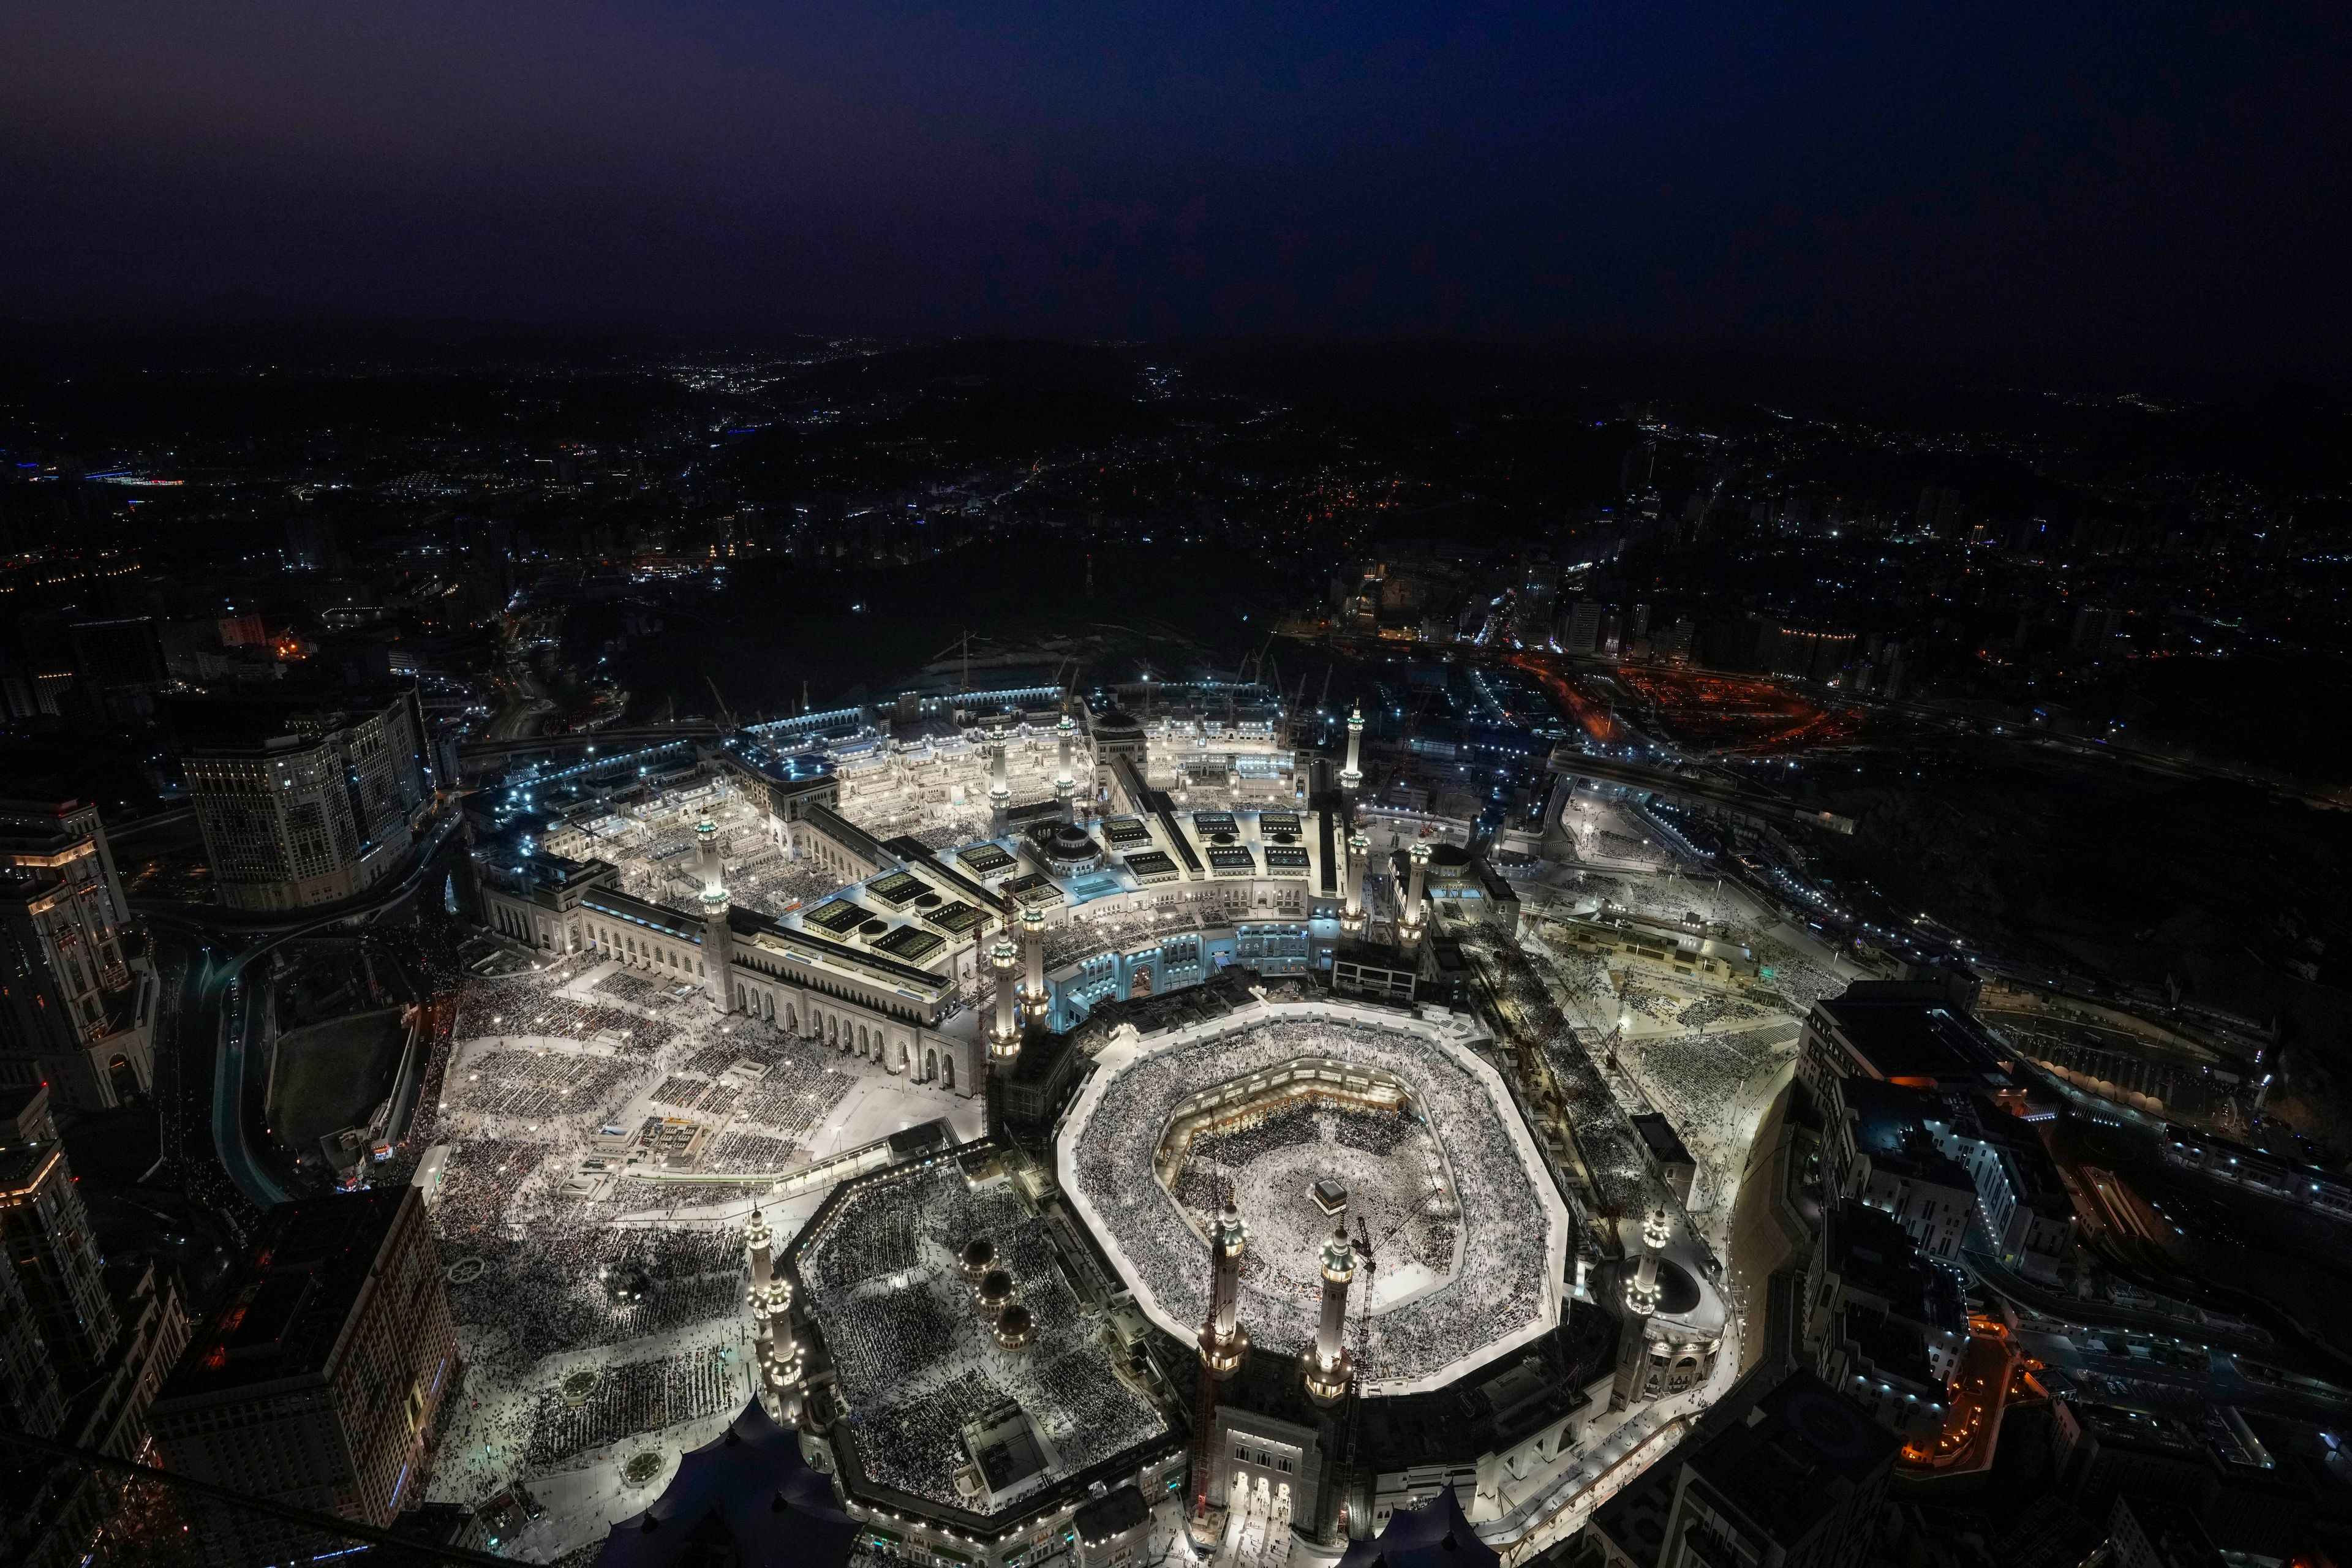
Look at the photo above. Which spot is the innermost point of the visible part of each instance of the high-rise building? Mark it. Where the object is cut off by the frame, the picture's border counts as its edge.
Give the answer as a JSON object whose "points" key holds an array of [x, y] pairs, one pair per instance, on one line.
{"points": [[31, 1398], [1673, 643], [316, 1381], [1886, 1326], [77, 1008], [82, 1347], [1582, 628], [1797, 1484], [303, 806], [47, 1240]]}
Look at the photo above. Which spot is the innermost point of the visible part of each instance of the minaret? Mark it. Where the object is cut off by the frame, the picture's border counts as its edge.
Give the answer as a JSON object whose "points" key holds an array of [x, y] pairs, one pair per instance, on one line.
{"points": [[1416, 903], [1004, 1038], [1360, 848], [1330, 1367], [1223, 1344], [1000, 794], [758, 1242], [774, 1346], [1641, 1290], [1066, 784], [1351, 777], [1036, 1000], [718, 936], [1638, 1371]]}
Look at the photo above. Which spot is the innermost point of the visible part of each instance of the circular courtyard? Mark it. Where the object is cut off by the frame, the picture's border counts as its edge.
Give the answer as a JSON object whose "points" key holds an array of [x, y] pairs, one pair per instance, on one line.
{"points": [[1300, 1113]]}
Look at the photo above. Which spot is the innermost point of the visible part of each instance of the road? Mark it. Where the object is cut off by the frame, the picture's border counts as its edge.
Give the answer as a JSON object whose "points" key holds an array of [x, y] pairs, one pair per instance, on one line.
{"points": [[523, 704], [1706, 791], [2175, 1372], [216, 1009]]}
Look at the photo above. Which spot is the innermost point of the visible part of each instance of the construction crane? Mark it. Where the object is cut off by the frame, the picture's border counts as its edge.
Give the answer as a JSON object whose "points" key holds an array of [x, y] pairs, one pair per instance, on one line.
{"points": [[726, 714], [1355, 1414]]}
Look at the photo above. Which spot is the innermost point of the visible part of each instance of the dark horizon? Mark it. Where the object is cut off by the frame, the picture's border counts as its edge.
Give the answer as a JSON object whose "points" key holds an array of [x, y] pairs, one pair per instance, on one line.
{"points": [[241, 330], [2156, 185]]}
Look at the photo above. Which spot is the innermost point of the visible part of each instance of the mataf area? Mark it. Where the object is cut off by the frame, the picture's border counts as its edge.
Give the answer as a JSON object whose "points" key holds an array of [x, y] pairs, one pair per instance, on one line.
{"points": [[1367, 1077]]}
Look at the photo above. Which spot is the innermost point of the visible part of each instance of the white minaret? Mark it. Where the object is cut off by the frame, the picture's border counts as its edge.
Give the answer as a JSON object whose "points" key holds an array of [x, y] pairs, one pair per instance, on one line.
{"points": [[1004, 1039], [1360, 848], [1641, 1290], [1066, 784], [1000, 794], [1330, 1367], [718, 936], [1351, 777], [1416, 901], [1036, 1000], [758, 1242], [1223, 1344], [1223, 1339], [774, 1344]]}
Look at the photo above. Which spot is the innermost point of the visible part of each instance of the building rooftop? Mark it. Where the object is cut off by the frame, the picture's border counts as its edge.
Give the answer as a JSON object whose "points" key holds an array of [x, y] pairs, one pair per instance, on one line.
{"points": [[1658, 1135], [1802, 1453], [1902, 1036], [926, 1390], [1892, 1348], [1875, 1256], [2120, 1425], [1114, 1513], [285, 1308]]}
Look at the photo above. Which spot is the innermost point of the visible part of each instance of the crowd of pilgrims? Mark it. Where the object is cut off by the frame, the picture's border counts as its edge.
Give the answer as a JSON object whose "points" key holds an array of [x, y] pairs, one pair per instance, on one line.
{"points": [[1798, 980], [1706, 1084], [516, 1076], [1606, 1144], [916, 1360], [1400, 1212], [530, 1005], [1699, 1076], [1502, 1283], [528, 1264], [559, 1288], [632, 1397]]}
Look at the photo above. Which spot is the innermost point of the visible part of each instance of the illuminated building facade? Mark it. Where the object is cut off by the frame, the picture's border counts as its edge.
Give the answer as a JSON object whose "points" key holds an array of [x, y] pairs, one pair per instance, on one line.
{"points": [[316, 1381]]}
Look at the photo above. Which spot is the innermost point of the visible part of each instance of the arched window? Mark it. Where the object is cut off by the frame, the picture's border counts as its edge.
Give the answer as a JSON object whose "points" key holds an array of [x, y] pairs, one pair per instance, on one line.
{"points": [[947, 1066]]}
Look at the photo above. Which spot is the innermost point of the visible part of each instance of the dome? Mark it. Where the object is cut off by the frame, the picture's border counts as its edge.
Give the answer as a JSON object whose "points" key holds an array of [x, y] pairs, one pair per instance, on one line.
{"points": [[995, 1291], [1069, 849], [1014, 1327], [1069, 840], [978, 1257], [1677, 1291]]}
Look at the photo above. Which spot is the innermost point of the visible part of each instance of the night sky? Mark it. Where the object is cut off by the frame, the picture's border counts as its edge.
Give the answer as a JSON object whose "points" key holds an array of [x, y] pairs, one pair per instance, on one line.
{"points": [[2158, 182]]}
